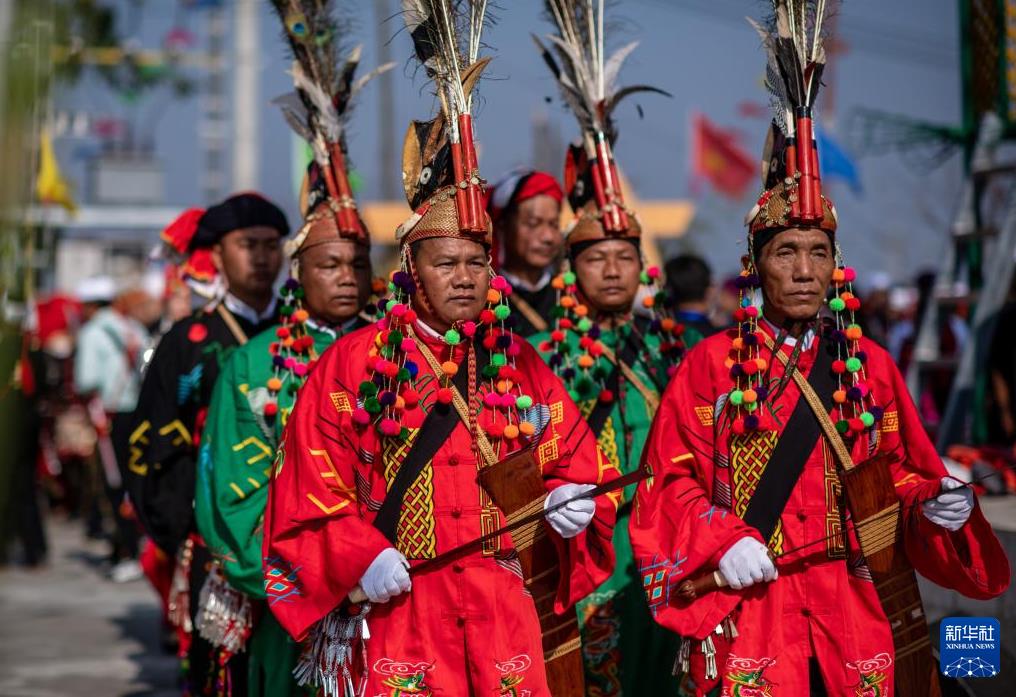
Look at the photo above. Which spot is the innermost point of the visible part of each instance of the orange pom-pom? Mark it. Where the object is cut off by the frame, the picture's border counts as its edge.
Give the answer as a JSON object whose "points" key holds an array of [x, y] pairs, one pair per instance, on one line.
{"points": [[449, 368], [288, 342], [581, 310], [511, 431], [749, 396], [648, 301], [400, 402], [854, 333], [668, 325], [728, 363], [585, 361], [737, 344], [762, 364], [526, 428], [274, 384], [840, 396], [567, 301], [839, 276], [502, 386], [300, 315], [493, 296]]}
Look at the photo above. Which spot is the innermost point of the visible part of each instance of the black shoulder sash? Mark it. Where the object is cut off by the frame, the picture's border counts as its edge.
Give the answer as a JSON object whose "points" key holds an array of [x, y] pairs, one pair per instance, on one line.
{"points": [[795, 445], [437, 427]]}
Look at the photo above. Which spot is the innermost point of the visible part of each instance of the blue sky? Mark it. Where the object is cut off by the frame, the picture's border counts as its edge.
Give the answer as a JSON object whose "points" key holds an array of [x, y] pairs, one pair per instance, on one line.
{"points": [[902, 57]]}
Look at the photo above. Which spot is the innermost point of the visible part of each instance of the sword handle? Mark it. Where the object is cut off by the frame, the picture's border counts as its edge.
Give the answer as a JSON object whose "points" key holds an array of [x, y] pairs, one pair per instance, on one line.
{"points": [[357, 596], [695, 588]]}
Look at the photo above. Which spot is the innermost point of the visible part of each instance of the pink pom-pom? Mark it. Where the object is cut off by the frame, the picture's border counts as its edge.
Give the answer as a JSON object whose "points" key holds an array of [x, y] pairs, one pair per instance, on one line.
{"points": [[751, 311], [360, 416], [498, 283], [469, 329], [653, 272], [507, 401], [491, 400], [514, 350], [300, 369], [849, 274], [289, 363], [389, 427], [407, 346], [398, 310]]}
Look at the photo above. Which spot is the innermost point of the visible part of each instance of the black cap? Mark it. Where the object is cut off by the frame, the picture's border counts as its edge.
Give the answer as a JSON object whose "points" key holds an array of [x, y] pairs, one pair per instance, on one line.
{"points": [[235, 213]]}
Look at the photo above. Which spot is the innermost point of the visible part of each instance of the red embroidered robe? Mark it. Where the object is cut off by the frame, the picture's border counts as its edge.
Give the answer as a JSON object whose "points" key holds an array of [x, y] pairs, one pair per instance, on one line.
{"points": [[823, 603], [466, 627]]}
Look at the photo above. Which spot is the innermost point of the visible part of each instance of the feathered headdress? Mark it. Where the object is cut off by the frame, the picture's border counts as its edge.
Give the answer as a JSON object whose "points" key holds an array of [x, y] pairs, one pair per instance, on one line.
{"points": [[588, 79], [439, 156], [793, 41], [318, 108]]}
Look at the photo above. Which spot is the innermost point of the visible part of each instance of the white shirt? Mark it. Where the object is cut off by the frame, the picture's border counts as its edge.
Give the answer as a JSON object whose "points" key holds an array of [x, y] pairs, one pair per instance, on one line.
{"points": [[240, 308], [808, 337]]}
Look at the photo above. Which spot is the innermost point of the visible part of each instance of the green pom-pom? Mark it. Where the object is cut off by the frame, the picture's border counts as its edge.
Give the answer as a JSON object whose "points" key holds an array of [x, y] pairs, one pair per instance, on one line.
{"points": [[585, 324], [842, 426], [391, 287], [752, 406], [599, 371], [394, 338], [644, 277], [661, 297], [737, 398], [387, 351], [498, 359], [404, 433], [452, 337], [402, 375], [837, 305], [584, 385], [368, 388], [868, 419], [853, 364], [287, 309], [372, 405], [557, 312], [389, 305], [502, 312], [489, 371], [569, 278], [524, 402], [574, 395], [298, 293]]}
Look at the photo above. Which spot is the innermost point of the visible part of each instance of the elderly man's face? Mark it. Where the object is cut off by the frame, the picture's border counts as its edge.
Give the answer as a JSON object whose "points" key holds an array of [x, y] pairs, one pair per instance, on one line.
{"points": [[796, 267], [455, 278], [336, 280]]}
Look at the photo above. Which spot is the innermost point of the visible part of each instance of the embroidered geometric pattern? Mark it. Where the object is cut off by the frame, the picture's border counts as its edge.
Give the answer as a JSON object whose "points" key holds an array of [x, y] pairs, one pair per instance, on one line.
{"points": [[705, 415], [281, 580], [415, 535], [334, 483], [182, 434], [547, 452], [835, 548], [658, 579], [556, 413], [749, 455], [890, 422], [257, 451], [188, 384], [340, 400], [138, 437]]}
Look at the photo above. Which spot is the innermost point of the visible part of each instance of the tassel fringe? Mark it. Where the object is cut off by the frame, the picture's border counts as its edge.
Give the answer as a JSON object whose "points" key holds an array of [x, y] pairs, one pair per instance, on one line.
{"points": [[328, 654]]}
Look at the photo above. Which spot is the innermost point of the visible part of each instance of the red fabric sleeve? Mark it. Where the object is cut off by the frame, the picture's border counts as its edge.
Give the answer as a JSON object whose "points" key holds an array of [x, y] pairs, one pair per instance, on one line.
{"points": [[568, 454], [970, 560], [317, 544], [676, 531]]}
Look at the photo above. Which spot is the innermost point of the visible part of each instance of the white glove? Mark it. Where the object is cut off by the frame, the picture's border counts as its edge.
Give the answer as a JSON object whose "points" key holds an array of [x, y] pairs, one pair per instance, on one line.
{"points": [[386, 577], [747, 562], [952, 507], [572, 519]]}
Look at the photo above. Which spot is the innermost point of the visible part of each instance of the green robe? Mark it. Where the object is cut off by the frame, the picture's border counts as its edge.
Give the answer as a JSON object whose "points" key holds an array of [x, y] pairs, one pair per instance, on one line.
{"points": [[234, 469], [625, 651]]}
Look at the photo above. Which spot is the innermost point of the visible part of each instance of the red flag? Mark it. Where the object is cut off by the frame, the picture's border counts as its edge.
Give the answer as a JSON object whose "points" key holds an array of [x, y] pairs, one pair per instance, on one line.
{"points": [[718, 158]]}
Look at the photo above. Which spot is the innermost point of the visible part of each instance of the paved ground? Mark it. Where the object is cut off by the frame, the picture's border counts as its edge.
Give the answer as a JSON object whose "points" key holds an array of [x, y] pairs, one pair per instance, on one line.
{"points": [[66, 631]]}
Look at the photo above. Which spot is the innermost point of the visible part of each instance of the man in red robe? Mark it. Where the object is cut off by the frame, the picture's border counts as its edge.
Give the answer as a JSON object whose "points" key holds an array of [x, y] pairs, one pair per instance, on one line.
{"points": [[728, 426], [371, 406]]}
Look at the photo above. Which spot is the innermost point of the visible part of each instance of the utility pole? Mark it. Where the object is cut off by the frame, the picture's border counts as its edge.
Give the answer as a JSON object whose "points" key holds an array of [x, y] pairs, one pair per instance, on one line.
{"points": [[387, 135], [214, 124], [246, 100]]}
